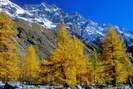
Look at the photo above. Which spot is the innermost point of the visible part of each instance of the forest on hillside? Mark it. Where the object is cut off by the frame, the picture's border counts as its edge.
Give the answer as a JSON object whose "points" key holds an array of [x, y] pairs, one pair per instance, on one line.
{"points": [[71, 62]]}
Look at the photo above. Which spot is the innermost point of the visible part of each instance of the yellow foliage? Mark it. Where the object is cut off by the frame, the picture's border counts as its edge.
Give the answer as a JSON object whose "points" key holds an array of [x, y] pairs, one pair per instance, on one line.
{"points": [[68, 63], [8, 50], [30, 68], [115, 56], [98, 74], [81, 62], [121, 73], [63, 35], [130, 73]]}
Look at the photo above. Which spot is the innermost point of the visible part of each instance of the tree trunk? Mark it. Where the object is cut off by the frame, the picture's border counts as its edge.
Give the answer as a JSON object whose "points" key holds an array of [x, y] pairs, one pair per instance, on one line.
{"points": [[114, 76]]}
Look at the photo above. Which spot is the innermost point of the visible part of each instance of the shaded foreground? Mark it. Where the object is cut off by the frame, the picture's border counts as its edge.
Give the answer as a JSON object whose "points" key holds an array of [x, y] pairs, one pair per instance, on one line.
{"points": [[18, 85]]}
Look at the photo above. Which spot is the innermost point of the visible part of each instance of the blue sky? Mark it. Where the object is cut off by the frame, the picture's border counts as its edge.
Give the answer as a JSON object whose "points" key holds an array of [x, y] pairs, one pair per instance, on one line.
{"points": [[117, 12]]}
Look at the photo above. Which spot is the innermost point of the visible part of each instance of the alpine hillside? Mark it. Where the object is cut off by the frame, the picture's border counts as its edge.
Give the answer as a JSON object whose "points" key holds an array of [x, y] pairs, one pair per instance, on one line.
{"points": [[48, 16]]}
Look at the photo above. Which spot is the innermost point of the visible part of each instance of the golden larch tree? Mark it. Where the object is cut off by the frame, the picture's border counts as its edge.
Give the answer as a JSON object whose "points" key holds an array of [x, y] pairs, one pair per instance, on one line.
{"points": [[68, 63], [81, 62], [130, 74], [30, 68], [8, 50], [98, 74], [115, 55]]}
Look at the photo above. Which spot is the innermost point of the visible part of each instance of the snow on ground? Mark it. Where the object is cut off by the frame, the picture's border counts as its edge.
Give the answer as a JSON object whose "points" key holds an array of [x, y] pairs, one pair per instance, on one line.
{"points": [[18, 85], [1, 84], [126, 87]]}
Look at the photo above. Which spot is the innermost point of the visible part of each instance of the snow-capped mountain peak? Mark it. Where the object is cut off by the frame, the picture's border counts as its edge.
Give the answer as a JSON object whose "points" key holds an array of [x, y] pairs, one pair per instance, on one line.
{"points": [[4, 3], [48, 16], [16, 11]]}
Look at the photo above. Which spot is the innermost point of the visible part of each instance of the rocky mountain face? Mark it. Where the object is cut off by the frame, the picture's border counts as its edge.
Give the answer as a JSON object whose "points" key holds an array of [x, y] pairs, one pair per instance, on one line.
{"points": [[16, 11], [41, 38], [44, 18], [88, 30]]}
